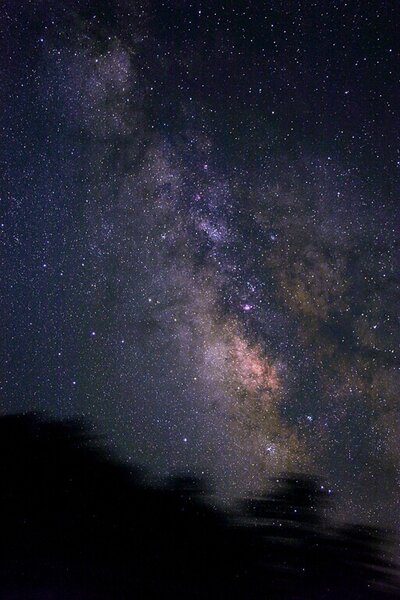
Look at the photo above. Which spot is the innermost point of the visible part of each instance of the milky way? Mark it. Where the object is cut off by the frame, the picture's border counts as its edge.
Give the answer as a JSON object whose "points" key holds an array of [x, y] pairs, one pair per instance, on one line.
{"points": [[199, 236]]}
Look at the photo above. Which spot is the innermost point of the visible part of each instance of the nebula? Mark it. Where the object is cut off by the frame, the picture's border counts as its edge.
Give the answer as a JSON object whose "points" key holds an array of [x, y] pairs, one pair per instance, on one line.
{"points": [[200, 234]]}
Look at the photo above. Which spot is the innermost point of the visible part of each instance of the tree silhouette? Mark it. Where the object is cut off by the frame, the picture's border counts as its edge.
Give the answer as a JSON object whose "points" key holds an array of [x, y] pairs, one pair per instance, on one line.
{"points": [[77, 525]]}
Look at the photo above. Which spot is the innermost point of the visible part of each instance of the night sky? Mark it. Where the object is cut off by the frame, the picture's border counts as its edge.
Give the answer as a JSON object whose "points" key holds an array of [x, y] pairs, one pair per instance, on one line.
{"points": [[199, 235]]}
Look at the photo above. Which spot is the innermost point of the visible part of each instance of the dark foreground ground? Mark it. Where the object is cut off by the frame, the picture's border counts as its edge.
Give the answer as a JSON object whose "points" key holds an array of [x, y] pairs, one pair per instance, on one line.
{"points": [[75, 525]]}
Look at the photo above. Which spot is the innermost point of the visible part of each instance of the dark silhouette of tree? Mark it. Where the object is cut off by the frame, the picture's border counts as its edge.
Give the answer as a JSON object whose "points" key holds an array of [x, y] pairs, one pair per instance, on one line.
{"points": [[77, 525], [308, 555]]}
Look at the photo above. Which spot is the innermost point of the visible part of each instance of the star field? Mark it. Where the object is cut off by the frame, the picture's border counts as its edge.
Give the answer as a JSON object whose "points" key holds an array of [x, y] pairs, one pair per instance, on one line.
{"points": [[199, 235]]}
